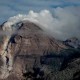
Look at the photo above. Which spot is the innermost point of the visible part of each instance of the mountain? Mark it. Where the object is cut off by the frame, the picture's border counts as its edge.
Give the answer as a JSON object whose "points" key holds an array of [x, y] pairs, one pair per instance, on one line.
{"points": [[27, 52], [73, 42]]}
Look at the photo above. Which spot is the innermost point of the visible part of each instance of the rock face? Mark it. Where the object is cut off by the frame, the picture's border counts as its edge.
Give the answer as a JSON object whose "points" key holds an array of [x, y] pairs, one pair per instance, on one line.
{"points": [[28, 53]]}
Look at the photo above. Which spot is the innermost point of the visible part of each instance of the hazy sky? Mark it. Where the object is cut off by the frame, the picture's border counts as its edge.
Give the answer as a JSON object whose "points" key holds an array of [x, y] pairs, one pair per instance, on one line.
{"points": [[61, 18], [10, 8]]}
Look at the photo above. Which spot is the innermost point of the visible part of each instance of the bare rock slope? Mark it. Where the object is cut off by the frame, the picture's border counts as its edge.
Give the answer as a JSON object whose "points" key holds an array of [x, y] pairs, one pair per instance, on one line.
{"points": [[29, 53]]}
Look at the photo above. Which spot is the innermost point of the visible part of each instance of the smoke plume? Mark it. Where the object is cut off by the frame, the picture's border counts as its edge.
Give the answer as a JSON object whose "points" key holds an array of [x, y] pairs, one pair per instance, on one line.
{"points": [[62, 23]]}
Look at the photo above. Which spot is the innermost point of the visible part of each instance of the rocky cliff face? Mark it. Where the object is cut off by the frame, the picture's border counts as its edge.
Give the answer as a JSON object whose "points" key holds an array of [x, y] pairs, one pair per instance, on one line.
{"points": [[28, 53]]}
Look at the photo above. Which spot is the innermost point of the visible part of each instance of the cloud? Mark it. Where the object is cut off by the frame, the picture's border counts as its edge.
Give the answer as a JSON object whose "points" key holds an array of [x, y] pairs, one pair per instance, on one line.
{"points": [[13, 7], [63, 23]]}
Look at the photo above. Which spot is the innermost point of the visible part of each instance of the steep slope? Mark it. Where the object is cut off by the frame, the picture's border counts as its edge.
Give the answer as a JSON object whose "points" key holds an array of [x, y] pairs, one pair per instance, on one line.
{"points": [[25, 39], [28, 52]]}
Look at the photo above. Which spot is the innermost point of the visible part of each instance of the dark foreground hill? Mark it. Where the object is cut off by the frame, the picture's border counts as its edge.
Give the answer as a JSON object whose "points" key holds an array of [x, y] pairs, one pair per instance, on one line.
{"points": [[31, 54]]}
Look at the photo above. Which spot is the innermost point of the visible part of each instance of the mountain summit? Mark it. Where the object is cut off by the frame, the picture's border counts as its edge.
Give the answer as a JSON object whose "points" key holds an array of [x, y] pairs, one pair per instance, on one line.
{"points": [[25, 47]]}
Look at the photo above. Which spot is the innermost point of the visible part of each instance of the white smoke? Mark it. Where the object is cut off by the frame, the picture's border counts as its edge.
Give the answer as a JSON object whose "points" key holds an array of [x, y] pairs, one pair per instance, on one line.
{"points": [[62, 24]]}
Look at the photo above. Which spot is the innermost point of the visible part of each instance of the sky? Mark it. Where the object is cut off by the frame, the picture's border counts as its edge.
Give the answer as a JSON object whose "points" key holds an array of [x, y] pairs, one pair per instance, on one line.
{"points": [[59, 17], [10, 8]]}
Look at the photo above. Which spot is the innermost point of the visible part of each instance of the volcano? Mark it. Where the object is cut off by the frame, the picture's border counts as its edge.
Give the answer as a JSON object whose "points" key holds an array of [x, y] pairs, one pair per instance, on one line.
{"points": [[27, 52]]}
